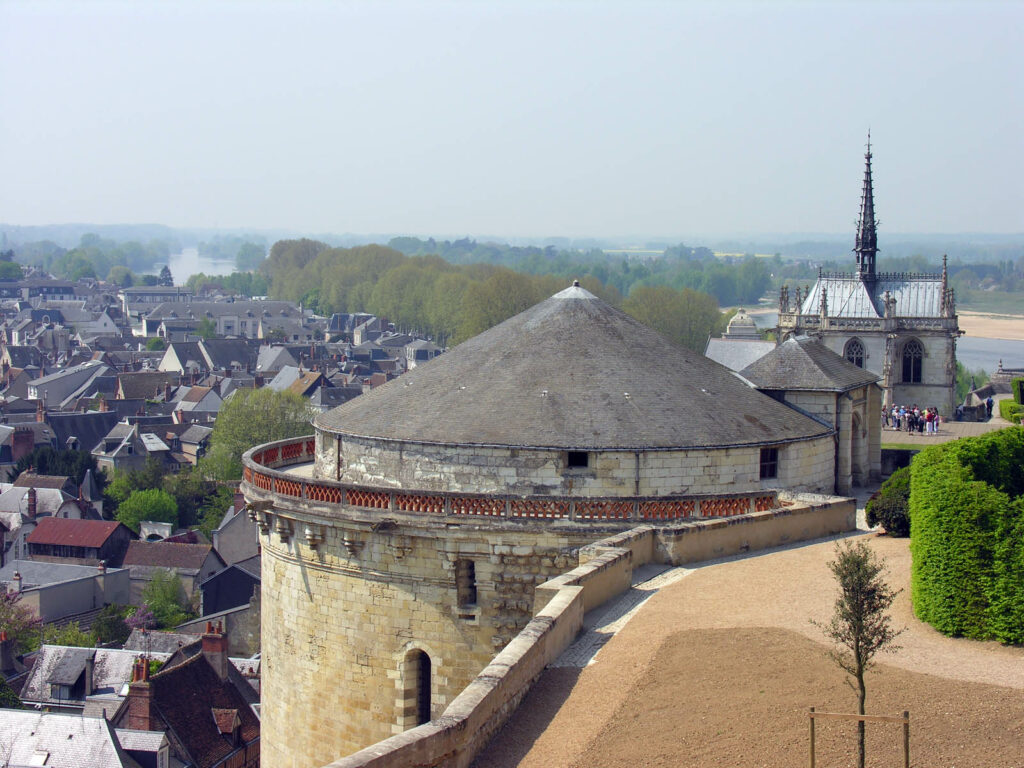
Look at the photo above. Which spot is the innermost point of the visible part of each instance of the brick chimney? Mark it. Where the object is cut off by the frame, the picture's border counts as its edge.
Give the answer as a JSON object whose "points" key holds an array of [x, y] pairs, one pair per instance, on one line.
{"points": [[103, 408], [140, 698], [31, 502], [6, 654], [215, 649], [41, 411], [23, 442], [167, 392]]}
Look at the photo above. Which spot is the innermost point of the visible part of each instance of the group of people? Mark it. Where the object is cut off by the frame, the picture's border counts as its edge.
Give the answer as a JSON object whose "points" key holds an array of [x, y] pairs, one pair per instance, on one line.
{"points": [[911, 419]]}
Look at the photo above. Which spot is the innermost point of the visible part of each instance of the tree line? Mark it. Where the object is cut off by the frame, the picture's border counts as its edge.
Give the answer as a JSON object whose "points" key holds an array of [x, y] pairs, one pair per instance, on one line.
{"points": [[453, 302]]}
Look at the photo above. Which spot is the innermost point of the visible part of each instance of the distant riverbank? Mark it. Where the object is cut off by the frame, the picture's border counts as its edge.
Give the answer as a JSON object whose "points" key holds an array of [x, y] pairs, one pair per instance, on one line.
{"points": [[988, 338]]}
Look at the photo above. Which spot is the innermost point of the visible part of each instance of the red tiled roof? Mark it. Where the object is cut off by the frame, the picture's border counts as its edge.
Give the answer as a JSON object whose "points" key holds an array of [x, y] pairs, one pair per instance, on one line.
{"points": [[165, 555], [225, 719], [72, 533], [186, 693]]}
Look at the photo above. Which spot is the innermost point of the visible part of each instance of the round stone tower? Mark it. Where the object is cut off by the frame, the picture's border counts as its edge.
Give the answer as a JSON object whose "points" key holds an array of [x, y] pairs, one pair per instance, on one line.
{"points": [[402, 543]]}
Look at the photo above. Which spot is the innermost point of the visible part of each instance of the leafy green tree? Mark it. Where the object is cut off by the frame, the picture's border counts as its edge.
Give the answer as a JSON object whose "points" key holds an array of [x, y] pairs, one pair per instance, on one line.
{"points": [[251, 417], [154, 504], [890, 506], [206, 329], [8, 698], [860, 625], [165, 597], [965, 377], [156, 344], [70, 634], [213, 509], [121, 275], [74, 464], [686, 317], [11, 271], [109, 626], [250, 256], [19, 621]]}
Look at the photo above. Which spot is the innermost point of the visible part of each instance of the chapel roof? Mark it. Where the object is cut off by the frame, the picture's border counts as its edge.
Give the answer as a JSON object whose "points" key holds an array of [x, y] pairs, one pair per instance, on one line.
{"points": [[571, 372]]}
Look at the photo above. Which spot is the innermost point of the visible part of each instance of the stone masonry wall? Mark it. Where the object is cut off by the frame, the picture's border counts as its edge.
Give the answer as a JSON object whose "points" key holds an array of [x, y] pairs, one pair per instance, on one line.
{"points": [[528, 472], [340, 623]]}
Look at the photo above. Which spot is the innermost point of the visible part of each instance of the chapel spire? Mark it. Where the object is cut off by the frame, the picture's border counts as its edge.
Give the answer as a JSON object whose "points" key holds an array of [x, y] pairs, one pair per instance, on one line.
{"points": [[867, 235]]}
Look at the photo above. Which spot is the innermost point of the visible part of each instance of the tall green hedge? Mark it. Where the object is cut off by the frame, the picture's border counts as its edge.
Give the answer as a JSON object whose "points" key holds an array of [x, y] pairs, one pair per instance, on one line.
{"points": [[1011, 411], [1018, 390], [967, 536]]}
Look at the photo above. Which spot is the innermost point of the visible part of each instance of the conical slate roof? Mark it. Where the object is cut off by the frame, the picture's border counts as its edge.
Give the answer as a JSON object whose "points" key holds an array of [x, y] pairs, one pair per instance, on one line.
{"points": [[570, 373]]}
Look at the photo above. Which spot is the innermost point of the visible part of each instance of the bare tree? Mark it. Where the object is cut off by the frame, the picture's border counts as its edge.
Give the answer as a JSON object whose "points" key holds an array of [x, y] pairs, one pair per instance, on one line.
{"points": [[860, 625]]}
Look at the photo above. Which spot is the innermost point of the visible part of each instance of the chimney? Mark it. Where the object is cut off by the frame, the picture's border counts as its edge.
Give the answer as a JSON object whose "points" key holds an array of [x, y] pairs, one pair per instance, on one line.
{"points": [[16, 582], [40, 411], [140, 698], [167, 392], [6, 654], [104, 408], [31, 502], [23, 442], [257, 381], [215, 649]]}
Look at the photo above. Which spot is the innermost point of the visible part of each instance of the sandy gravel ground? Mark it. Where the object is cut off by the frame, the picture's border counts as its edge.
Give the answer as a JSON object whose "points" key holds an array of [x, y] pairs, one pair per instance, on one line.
{"points": [[991, 326], [719, 668]]}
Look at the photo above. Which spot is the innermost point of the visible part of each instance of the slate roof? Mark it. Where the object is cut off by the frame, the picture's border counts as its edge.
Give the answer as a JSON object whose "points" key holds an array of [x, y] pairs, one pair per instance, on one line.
{"points": [[737, 354], [162, 554], [69, 741], [58, 664], [802, 363], [37, 573], [571, 373], [32, 480], [159, 642], [849, 296], [146, 384], [89, 428]]}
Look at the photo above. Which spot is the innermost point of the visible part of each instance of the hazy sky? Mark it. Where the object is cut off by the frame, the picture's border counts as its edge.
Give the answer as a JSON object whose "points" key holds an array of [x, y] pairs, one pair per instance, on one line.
{"points": [[513, 118]]}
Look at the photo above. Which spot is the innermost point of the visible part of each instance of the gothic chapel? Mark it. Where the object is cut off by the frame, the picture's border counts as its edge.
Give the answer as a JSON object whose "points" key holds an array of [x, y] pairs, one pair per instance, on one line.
{"points": [[900, 325]]}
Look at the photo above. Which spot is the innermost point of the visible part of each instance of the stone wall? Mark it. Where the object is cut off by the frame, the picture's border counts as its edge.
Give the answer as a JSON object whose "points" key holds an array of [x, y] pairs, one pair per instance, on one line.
{"points": [[479, 469], [455, 738]]}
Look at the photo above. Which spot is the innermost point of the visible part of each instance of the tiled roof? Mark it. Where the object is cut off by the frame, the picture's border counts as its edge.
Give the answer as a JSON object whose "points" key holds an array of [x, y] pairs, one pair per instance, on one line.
{"points": [[571, 373], [73, 533], [186, 695], [164, 555], [32, 480]]}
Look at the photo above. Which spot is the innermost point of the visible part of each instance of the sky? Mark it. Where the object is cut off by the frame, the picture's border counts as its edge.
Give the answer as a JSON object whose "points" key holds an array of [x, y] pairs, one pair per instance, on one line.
{"points": [[516, 119]]}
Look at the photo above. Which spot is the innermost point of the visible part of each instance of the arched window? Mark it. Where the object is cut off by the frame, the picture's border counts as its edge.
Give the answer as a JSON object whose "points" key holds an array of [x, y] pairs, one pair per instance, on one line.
{"points": [[418, 676], [913, 354], [854, 352]]}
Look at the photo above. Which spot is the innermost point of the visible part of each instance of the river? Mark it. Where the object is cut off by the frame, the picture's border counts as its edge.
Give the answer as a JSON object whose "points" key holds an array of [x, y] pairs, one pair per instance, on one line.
{"points": [[187, 263]]}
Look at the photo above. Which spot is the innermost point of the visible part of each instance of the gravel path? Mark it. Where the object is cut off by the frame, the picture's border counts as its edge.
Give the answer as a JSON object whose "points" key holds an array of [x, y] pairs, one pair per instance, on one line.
{"points": [[732, 641]]}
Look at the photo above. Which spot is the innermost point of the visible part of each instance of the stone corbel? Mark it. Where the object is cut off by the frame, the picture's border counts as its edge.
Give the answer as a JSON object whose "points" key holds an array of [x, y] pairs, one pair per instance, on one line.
{"points": [[351, 543], [259, 513], [314, 535], [283, 526]]}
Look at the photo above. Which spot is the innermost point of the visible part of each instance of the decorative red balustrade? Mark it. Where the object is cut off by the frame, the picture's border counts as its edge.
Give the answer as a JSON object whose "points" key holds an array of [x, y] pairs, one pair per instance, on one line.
{"points": [[262, 470]]}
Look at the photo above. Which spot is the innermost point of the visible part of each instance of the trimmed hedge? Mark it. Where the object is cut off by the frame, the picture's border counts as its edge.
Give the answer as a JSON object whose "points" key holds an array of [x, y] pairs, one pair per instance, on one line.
{"points": [[1011, 411], [967, 536], [1017, 386], [889, 507]]}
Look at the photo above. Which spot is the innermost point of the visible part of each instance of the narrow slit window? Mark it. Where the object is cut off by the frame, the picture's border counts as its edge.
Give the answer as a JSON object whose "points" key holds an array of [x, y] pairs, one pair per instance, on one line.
{"points": [[465, 582], [769, 463]]}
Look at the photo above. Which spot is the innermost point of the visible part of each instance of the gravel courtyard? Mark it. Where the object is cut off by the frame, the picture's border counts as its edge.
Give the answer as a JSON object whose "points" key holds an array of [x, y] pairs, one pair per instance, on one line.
{"points": [[719, 669]]}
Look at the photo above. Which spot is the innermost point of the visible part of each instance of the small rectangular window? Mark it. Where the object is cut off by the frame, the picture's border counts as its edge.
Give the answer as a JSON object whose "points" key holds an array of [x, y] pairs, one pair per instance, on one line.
{"points": [[769, 462], [577, 460], [465, 582]]}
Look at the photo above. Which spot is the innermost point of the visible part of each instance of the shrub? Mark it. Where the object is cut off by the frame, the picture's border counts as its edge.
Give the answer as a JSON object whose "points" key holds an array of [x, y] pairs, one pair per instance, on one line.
{"points": [[1018, 390], [1011, 411], [967, 515], [890, 507]]}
